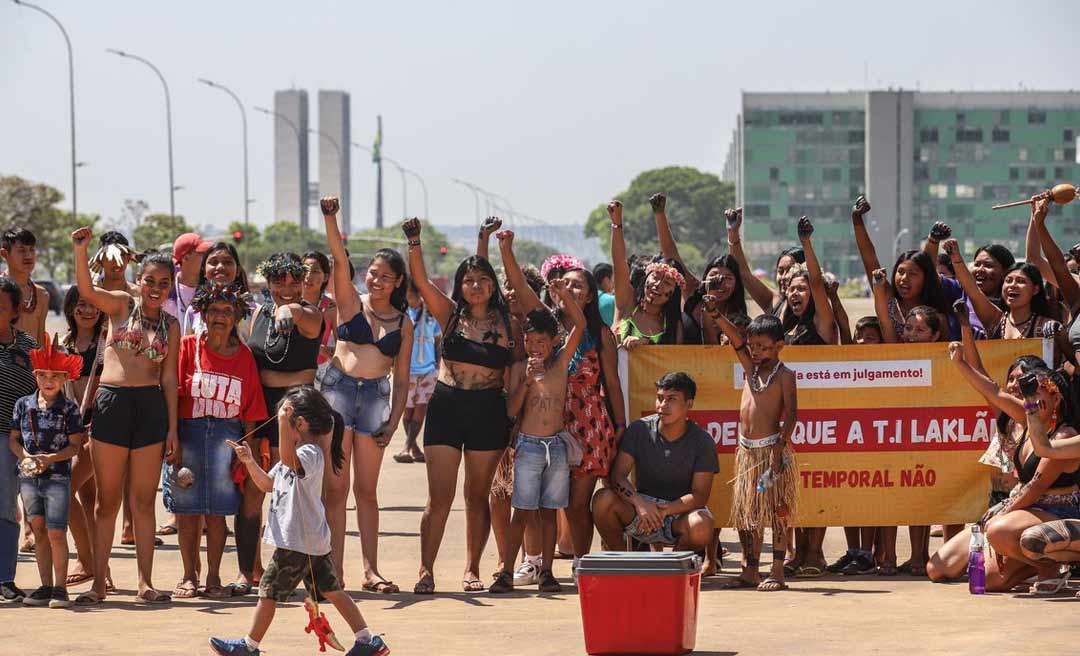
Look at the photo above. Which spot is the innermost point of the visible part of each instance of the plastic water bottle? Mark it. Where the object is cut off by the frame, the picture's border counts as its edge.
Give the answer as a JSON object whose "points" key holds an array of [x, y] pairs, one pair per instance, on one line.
{"points": [[765, 481], [976, 562]]}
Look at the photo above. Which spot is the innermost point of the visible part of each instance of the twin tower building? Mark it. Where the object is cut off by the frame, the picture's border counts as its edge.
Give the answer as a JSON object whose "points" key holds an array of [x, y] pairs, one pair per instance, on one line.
{"points": [[296, 196]]}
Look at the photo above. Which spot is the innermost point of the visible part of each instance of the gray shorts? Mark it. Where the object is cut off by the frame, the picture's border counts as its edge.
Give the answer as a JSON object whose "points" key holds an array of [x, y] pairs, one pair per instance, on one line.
{"points": [[662, 535]]}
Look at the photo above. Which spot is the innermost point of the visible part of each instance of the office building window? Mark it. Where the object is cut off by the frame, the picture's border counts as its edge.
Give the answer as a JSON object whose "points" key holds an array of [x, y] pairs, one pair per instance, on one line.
{"points": [[774, 173], [969, 135], [1014, 173], [1057, 154], [960, 211], [1068, 136], [801, 118], [1003, 117], [1036, 117], [856, 136], [922, 173], [960, 118], [1036, 173], [928, 135], [940, 191], [778, 228], [841, 118], [830, 175], [1022, 154], [856, 174], [965, 191], [947, 173], [1059, 172], [1000, 135], [757, 210], [1070, 155]]}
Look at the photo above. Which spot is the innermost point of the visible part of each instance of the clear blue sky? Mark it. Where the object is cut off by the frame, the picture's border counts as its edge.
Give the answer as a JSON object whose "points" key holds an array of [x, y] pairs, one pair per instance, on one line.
{"points": [[554, 105]]}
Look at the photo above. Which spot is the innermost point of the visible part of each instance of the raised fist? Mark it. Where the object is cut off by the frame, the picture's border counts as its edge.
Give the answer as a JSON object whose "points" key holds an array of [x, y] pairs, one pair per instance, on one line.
{"points": [[557, 287], [733, 218], [951, 248], [490, 225], [505, 237], [81, 237], [831, 283], [658, 202], [1052, 329], [940, 230], [861, 207], [329, 205], [805, 228], [411, 228], [1040, 208], [880, 278], [960, 311], [956, 351], [614, 210]]}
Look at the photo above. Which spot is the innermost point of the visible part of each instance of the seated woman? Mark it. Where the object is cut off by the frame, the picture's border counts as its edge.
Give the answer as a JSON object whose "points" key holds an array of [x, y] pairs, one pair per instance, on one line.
{"points": [[220, 400]]}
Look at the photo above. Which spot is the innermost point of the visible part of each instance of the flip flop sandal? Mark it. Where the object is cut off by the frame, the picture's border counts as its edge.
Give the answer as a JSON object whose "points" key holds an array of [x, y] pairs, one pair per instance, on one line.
{"points": [[186, 590], [385, 587], [404, 458], [473, 586], [737, 583], [76, 579], [425, 586], [89, 598], [777, 586], [1048, 587], [153, 597], [217, 592], [166, 529], [808, 572], [240, 588], [887, 570], [790, 568], [419, 458]]}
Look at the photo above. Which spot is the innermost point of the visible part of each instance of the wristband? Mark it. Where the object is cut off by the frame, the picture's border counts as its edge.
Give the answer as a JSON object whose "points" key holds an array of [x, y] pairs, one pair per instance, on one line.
{"points": [[414, 243], [1031, 406], [740, 347], [734, 243], [616, 226]]}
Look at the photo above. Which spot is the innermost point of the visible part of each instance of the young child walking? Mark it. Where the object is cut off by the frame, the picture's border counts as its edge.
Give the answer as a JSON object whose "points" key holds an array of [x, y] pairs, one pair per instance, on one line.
{"points": [[296, 525], [766, 478], [46, 433], [541, 463]]}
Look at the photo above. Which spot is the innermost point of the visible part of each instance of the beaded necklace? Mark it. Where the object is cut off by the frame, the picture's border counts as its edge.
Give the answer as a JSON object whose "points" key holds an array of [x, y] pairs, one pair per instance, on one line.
{"points": [[759, 388]]}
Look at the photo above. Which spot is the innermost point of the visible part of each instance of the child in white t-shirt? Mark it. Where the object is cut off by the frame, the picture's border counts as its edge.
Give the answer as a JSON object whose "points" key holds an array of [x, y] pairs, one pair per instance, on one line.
{"points": [[296, 525]]}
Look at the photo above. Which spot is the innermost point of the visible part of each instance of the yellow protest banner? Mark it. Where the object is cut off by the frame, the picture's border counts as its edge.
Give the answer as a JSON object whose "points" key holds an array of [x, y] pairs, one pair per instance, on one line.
{"points": [[888, 434]]}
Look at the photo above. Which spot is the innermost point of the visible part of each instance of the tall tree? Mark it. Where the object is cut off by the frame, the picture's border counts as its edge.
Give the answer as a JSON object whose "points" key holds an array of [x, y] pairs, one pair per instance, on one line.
{"points": [[695, 209], [34, 205], [157, 230]]}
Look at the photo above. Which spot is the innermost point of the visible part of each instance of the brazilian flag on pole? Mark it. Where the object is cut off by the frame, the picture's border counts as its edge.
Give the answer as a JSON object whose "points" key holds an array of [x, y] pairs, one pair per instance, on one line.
{"points": [[376, 149]]}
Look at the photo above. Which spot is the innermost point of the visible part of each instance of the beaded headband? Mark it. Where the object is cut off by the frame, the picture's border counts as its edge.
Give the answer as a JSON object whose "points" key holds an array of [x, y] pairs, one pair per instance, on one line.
{"points": [[50, 358], [277, 267], [665, 271], [560, 262], [207, 294]]}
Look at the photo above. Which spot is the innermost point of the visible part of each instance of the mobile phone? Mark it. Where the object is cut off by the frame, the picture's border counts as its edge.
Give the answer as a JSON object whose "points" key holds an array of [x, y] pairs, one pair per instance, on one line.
{"points": [[1029, 384], [712, 285]]}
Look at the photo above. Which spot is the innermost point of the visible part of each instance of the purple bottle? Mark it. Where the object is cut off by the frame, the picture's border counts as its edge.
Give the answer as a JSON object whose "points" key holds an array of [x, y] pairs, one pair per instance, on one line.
{"points": [[976, 562]]}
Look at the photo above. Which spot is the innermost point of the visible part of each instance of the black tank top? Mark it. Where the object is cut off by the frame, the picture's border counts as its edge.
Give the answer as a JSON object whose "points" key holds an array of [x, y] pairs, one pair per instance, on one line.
{"points": [[804, 335], [1026, 471], [276, 352], [457, 348]]}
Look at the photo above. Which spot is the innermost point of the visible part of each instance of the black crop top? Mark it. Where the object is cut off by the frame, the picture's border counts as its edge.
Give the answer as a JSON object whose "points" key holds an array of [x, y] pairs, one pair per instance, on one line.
{"points": [[1026, 471], [276, 352], [458, 348], [358, 331]]}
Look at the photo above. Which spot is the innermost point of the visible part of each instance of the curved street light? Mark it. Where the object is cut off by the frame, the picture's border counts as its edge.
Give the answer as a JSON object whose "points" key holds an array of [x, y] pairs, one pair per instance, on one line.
{"points": [[404, 187], [423, 187], [476, 195], [168, 120], [71, 98], [243, 119]]}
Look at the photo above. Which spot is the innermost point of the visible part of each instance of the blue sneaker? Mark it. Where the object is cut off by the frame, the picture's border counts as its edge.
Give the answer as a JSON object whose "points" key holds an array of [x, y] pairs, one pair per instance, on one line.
{"points": [[231, 647], [376, 647]]}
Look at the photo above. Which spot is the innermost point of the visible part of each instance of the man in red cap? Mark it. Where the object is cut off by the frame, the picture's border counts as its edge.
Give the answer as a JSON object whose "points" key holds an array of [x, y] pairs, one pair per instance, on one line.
{"points": [[188, 251]]}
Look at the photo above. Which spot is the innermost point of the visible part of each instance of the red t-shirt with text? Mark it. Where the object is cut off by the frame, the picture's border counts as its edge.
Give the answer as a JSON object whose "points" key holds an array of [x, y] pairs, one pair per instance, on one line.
{"points": [[225, 388]]}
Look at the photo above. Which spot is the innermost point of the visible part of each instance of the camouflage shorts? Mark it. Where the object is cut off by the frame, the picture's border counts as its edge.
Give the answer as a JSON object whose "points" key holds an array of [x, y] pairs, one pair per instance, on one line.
{"points": [[288, 568]]}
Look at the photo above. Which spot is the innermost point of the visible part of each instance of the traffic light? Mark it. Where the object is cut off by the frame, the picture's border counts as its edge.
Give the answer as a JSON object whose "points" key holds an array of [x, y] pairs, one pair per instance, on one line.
{"points": [[442, 250], [238, 236]]}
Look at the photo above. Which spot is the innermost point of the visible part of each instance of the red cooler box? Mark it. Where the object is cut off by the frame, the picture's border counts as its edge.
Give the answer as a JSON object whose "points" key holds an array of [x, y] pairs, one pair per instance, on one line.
{"points": [[639, 602]]}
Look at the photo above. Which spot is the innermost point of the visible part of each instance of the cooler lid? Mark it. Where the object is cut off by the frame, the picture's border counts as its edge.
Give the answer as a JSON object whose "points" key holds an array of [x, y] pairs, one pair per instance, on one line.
{"points": [[639, 563]]}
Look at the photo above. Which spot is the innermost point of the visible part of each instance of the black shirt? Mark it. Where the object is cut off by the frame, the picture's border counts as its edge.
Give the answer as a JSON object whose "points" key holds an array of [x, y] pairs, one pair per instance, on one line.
{"points": [[665, 470]]}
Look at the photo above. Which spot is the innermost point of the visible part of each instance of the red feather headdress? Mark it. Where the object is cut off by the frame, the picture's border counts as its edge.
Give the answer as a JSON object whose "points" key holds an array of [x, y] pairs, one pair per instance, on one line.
{"points": [[51, 358]]}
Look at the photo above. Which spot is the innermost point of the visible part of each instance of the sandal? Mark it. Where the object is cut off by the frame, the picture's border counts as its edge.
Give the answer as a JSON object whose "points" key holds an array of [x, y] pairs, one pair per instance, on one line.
{"points": [[472, 585], [737, 583], [76, 579], [187, 589], [240, 588], [405, 458], [419, 458], [772, 585], [383, 585], [425, 586], [89, 598], [152, 596], [887, 570], [791, 566], [166, 529], [504, 582], [1048, 587], [808, 572], [217, 592]]}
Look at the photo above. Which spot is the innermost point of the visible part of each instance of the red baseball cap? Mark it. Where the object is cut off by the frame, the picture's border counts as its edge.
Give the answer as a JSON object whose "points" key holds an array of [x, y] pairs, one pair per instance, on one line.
{"points": [[186, 243]]}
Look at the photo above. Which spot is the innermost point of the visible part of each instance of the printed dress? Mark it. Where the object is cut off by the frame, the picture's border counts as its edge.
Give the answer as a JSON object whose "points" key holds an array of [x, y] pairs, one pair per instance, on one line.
{"points": [[586, 415]]}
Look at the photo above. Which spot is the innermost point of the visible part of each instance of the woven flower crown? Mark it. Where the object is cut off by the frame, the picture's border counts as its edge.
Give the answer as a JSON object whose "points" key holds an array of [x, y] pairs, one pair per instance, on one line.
{"points": [[276, 267], [560, 262], [51, 358], [209, 293], [665, 271]]}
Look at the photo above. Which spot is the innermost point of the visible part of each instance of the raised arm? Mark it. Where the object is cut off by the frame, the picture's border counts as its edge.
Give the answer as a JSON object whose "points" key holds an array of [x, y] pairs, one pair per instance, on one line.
{"points": [[1070, 290], [967, 335], [712, 310], [109, 302], [986, 387], [526, 297], [487, 228], [843, 325], [765, 297], [568, 305], [1033, 251], [988, 313], [1061, 448], [346, 295], [882, 293], [624, 291], [824, 321], [939, 231], [862, 238], [668, 248], [436, 301]]}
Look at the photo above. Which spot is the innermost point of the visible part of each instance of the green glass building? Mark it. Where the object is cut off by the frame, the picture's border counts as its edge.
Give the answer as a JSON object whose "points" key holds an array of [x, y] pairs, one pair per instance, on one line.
{"points": [[918, 157]]}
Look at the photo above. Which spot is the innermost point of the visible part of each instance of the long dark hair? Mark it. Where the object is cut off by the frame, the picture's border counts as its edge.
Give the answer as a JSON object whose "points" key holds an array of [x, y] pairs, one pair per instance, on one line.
{"points": [[14, 292], [594, 324], [398, 298], [324, 264], [1027, 364], [241, 275], [309, 403], [158, 258], [71, 299], [734, 305], [672, 310], [1040, 305], [932, 293], [789, 318], [497, 302]]}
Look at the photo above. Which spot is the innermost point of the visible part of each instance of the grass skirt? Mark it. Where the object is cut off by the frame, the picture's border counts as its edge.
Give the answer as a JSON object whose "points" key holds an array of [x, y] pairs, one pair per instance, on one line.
{"points": [[503, 484], [777, 505]]}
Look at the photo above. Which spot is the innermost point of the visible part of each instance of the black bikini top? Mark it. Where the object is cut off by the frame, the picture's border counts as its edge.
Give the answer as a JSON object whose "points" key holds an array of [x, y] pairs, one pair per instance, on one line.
{"points": [[458, 348], [358, 331], [1026, 471]]}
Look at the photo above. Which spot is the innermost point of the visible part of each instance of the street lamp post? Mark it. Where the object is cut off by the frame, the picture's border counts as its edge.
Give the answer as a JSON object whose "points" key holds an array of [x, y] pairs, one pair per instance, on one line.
{"points": [[243, 119], [423, 187], [896, 241], [404, 187], [299, 150], [168, 121], [476, 195], [71, 98]]}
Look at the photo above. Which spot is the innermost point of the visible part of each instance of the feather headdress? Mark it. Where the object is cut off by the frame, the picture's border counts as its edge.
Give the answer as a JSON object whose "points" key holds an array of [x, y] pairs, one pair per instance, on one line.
{"points": [[51, 358]]}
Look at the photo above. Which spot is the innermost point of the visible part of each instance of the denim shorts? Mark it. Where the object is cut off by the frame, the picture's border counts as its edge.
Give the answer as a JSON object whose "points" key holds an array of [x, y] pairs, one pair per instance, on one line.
{"points": [[664, 535], [364, 403], [203, 450], [49, 498], [541, 473], [1068, 509]]}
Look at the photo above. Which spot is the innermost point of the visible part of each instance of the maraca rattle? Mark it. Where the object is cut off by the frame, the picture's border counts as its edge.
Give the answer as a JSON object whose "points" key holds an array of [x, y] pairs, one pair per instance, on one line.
{"points": [[185, 478], [1060, 194], [30, 467]]}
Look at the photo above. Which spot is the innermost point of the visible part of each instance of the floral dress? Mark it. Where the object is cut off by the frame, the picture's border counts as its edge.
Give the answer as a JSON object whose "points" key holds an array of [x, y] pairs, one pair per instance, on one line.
{"points": [[586, 415]]}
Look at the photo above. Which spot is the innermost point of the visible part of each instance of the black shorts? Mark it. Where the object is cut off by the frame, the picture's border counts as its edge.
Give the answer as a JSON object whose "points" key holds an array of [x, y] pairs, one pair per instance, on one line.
{"points": [[471, 419], [288, 568], [131, 417], [273, 396]]}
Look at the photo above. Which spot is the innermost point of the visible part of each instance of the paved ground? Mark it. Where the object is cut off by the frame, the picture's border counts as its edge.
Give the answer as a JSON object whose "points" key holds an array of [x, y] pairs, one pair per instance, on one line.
{"points": [[824, 616]]}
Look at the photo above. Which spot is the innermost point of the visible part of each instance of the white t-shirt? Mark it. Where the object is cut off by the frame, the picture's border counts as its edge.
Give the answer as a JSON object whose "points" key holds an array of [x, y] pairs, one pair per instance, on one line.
{"points": [[297, 519], [180, 300]]}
